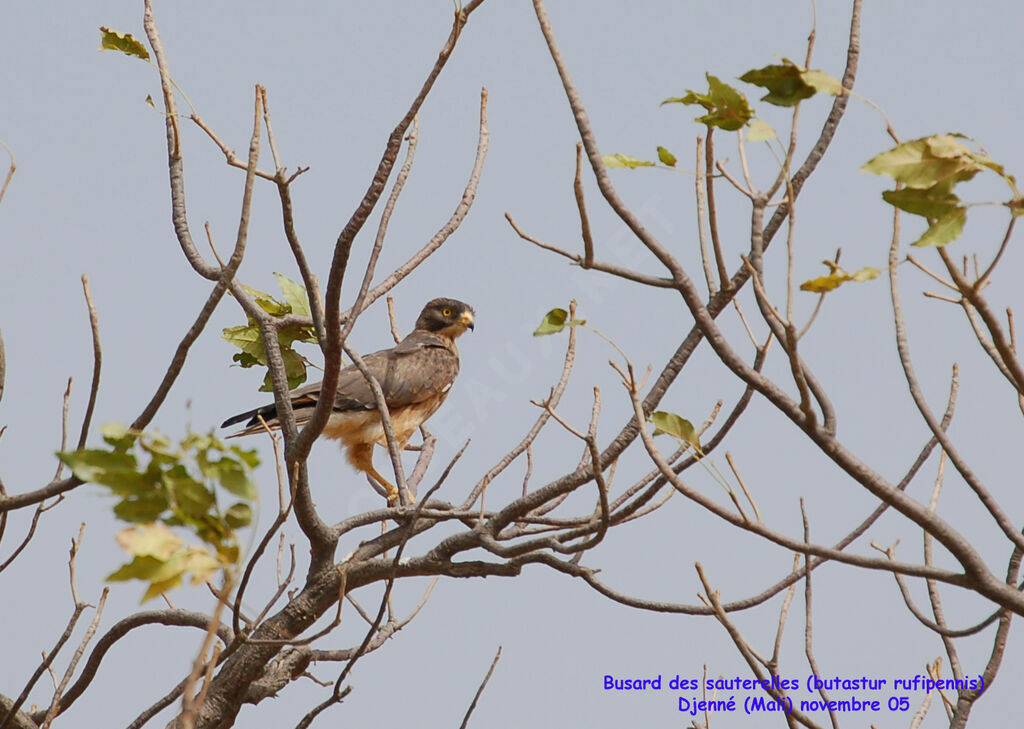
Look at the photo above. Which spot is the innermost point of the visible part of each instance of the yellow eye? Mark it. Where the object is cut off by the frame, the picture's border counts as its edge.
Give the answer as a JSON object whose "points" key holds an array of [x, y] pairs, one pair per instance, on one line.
{"points": [[446, 312]]}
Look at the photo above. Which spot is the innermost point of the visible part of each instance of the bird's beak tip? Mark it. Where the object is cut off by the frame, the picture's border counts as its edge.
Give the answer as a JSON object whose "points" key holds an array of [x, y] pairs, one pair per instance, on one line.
{"points": [[467, 320]]}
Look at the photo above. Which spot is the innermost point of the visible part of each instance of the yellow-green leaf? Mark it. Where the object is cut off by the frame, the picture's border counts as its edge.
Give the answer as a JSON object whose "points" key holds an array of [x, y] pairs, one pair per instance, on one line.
{"points": [[116, 469], [666, 157], [837, 278], [158, 588], [785, 83], [939, 161], [161, 557], [555, 321], [201, 564], [931, 202], [865, 274], [944, 230], [111, 40], [624, 160], [727, 108], [823, 284], [822, 82], [149, 540], [143, 507], [295, 294], [139, 568], [676, 426], [238, 515], [759, 130], [118, 435]]}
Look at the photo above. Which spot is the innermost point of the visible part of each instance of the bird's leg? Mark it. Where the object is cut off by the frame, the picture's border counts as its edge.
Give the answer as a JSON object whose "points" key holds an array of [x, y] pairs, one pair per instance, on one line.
{"points": [[361, 456], [392, 491]]}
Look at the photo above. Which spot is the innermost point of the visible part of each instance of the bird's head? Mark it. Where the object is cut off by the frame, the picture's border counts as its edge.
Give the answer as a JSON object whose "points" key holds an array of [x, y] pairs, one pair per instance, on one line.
{"points": [[447, 317]]}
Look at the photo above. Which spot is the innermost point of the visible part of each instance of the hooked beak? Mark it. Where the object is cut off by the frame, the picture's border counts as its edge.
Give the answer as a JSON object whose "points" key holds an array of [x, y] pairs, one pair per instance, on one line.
{"points": [[466, 319]]}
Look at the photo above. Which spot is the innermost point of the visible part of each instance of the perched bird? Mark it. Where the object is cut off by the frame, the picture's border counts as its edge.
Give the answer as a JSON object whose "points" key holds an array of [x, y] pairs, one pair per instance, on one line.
{"points": [[415, 377]]}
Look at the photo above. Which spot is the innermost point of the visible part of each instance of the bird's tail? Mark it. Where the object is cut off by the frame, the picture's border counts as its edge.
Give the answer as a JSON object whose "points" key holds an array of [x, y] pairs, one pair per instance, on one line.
{"points": [[254, 419]]}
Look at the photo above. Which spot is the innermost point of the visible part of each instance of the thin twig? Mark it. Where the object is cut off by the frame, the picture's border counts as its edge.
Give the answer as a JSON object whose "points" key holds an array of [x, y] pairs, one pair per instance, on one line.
{"points": [[480, 690], [808, 620], [699, 181], [49, 657], [55, 702], [588, 240], [65, 406], [395, 333], [709, 184], [3, 191], [97, 363]]}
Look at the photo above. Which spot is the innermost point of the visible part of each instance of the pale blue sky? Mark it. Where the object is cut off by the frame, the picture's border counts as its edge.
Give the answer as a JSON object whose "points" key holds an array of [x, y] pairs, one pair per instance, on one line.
{"points": [[90, 196]]}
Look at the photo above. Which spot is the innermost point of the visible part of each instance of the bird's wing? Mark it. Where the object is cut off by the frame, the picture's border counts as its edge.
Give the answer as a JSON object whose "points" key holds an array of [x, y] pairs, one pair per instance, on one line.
{"points": [[422, 367]]}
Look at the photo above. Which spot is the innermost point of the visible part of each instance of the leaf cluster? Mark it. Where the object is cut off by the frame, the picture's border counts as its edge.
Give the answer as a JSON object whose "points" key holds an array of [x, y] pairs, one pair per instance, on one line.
{"points": [[928, 170], [249, 338], [728, 109], [162, 484]]}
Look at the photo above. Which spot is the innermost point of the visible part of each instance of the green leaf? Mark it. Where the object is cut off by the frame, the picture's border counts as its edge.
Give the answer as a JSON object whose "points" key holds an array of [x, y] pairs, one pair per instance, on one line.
{"points": [[102, 467], [785, 83], [788, 84], [190, 496], [624, 160], [555, 321], [160, 557], [759, 131], [267, 302], [202, 442], [250, 341], [295, 294], [140, 568], [552, 323], [294, 369], [727, 108], [141, 509], [160, 445], [250, 457], [111, 40], [234, 477], [944, 230], [676, 426], [931, 202], [118, 436], [928, 162], [238, 515], [666, 157], [159, 587]]}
